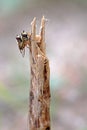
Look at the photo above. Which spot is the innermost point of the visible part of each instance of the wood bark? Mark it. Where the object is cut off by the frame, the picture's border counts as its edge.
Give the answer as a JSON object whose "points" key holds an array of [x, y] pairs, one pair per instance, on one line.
{"points": [[39, 105]]}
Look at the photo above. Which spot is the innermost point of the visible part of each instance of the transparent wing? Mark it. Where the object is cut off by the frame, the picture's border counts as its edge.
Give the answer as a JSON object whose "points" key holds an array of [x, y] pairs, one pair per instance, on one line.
{"points": [[23, 52]]}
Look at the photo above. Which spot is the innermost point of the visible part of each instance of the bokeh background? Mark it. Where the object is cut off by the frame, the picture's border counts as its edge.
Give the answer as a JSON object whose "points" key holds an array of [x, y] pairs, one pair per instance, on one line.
{"points": [[66, 41]]}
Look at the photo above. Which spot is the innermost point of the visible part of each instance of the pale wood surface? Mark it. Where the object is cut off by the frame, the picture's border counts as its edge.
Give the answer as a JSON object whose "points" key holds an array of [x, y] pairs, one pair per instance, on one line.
{"points": [[39, 113], [39, 97]]}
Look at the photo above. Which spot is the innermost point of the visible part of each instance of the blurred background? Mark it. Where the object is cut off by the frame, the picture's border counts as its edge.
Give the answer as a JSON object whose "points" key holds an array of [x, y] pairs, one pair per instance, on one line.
{"points": [[66, 42]]}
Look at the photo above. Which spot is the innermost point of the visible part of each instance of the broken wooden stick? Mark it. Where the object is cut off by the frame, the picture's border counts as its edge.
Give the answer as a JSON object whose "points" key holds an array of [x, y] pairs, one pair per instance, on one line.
{"points": [[39, 105]]}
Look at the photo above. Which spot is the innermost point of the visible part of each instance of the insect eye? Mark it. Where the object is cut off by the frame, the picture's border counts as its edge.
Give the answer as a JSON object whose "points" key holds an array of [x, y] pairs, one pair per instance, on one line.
{"points": [[18, 38], [24, 35]]}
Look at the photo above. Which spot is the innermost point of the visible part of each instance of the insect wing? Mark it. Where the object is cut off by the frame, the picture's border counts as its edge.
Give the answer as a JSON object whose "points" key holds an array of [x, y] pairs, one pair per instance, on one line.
{"points": [[22, 52]]}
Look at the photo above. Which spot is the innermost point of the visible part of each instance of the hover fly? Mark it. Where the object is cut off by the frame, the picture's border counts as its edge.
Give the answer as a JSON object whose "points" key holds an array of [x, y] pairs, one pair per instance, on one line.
{"points": [[25, 36], [22, 42]]}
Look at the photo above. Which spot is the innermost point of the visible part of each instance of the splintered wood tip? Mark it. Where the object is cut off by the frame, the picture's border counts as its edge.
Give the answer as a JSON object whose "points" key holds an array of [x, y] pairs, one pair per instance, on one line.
{"points": [[43, 21], [33, 29], [43, 17], [34, 21]]}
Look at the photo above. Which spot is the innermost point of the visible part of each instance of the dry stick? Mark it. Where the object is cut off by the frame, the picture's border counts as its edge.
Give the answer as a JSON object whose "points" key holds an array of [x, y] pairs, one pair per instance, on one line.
{"points": [[39, 106]]}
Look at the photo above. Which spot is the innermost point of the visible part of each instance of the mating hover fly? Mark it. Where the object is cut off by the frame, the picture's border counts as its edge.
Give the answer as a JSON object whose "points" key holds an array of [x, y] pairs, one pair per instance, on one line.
{"points": [[22, 42]]}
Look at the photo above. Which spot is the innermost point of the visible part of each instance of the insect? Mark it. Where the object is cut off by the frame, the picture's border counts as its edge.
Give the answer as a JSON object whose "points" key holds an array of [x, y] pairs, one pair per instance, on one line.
{"points": [[22, 42], [25, 36]]}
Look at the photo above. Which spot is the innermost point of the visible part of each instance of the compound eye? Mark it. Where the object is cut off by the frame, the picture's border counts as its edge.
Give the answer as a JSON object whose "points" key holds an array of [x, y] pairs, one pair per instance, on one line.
{"points": [[18, 38], [24, 35]]}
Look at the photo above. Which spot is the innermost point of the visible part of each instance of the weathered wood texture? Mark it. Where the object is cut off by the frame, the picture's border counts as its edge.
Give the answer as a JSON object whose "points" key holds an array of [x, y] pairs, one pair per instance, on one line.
{"points": [[39, 105]]}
